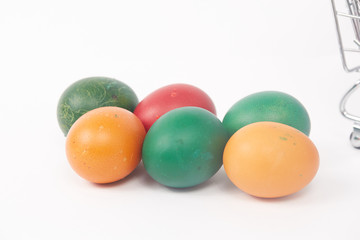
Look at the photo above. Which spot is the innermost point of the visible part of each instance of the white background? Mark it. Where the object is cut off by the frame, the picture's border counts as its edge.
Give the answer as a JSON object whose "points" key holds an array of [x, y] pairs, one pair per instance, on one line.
{"points": [[228, 48]]}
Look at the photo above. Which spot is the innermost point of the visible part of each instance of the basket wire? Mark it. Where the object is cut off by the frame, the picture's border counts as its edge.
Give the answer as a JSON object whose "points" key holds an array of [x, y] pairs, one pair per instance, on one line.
{"points": [[353, 14]]}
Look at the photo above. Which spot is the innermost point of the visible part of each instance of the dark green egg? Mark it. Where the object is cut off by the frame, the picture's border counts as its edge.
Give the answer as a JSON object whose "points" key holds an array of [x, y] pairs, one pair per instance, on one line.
{"points": [[270, 106], [184, 147], [90, 93]]}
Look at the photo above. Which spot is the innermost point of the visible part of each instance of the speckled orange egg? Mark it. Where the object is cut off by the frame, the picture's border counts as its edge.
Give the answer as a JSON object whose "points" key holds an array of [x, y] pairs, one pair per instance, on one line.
{"points": [[104, 145], [269, 160]]}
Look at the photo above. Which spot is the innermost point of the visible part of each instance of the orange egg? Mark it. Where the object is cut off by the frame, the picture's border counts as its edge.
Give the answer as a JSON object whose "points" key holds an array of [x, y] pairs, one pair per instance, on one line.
{"points": [[104, 145], [269, 160]]}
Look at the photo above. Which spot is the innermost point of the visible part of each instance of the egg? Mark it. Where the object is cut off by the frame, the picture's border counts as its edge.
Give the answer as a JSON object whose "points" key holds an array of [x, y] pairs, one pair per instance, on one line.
{"points": [[270, 160], [91, 93], [171, 97], [104, 145], [184, 147], [273, 106]]}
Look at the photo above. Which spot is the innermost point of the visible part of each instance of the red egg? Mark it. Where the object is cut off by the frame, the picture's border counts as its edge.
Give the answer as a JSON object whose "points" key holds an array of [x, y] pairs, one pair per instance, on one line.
{"points": [[168, 98]]}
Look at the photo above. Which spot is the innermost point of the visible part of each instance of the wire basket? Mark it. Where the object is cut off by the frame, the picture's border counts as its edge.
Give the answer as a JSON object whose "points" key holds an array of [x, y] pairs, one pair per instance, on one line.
{"points": [[353, 14]]}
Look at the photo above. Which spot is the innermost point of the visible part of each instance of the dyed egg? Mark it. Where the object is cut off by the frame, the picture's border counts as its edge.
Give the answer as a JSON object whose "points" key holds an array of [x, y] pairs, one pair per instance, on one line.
{"points": [[104, 145], [184, 147], [168, 98], [90, 93], [269, 159], [270, 106]]}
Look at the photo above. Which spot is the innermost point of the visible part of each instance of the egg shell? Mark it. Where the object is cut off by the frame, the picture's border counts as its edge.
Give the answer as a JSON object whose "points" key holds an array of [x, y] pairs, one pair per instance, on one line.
{"points": [[171, 97]]}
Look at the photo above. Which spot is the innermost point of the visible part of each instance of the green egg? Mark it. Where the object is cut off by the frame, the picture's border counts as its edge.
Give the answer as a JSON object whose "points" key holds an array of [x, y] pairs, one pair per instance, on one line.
{"points": [[184, 147], [270, 106], [90, 93]]}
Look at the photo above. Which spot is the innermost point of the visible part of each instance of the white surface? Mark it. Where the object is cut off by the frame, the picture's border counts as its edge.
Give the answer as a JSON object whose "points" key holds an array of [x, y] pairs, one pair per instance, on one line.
{"points": [[229, 49]]}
